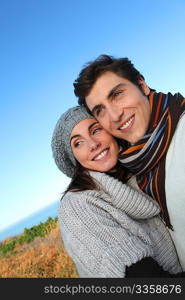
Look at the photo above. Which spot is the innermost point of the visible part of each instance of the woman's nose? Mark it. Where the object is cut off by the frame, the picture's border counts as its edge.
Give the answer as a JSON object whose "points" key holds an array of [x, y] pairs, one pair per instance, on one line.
{"points": [[93, 145]]}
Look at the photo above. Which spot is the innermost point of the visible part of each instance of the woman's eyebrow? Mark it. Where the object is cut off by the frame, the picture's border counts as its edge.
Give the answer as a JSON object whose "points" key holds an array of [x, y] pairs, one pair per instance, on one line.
{"points": [[91, 125], [89, 128]]}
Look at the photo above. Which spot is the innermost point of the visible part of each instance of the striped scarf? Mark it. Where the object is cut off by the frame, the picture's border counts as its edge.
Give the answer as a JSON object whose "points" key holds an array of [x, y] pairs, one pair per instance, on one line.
{"points": [[146, 158]]}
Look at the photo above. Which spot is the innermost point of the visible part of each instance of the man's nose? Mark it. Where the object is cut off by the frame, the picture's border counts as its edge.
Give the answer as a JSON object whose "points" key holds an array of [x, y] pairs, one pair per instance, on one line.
{"points": [[115, 113]]}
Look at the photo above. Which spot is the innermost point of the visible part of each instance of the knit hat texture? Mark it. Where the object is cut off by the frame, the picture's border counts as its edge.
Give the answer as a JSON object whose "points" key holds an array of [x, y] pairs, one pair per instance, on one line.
{"points": [[60, 144]]}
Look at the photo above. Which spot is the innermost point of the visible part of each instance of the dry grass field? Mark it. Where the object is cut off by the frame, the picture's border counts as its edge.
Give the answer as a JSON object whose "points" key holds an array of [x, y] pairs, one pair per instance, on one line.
{"points": [[43, 257]]}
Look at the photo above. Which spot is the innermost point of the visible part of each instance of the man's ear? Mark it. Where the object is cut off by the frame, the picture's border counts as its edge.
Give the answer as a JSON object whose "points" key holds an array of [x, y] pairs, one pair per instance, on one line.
{"points": [[144, 86]]}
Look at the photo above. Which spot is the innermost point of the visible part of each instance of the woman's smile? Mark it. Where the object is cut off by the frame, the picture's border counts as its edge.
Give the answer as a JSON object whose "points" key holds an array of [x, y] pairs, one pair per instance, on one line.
{"points": [[102, 155]]}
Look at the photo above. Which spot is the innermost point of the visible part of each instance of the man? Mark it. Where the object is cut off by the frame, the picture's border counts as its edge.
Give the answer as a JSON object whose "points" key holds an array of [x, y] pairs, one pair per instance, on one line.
{"points": [[153, 124]]}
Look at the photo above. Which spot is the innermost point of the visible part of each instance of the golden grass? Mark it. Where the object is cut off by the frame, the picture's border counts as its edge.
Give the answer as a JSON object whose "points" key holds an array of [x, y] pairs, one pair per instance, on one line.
{"points": [[44, 257]]}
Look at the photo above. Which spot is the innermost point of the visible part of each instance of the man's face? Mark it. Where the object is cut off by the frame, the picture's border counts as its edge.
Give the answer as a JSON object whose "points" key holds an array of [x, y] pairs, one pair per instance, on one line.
{"points": [[120, 106]]}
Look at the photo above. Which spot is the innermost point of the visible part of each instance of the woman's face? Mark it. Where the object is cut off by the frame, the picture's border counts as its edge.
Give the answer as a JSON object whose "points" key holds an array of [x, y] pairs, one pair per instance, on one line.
{"points": [[93, 147]]}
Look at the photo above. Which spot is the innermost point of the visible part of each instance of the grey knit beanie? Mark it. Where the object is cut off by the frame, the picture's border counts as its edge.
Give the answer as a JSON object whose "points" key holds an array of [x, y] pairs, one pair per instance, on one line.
{"points": [[60, 144]]}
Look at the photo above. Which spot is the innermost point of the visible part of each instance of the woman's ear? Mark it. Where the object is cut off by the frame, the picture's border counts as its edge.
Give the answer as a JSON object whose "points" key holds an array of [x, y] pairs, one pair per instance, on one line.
{"points": [[144, 86]]}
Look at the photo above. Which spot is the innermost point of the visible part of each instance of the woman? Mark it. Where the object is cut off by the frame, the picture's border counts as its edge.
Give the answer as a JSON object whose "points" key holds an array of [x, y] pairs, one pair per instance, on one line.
{"points": [[109, 229]]}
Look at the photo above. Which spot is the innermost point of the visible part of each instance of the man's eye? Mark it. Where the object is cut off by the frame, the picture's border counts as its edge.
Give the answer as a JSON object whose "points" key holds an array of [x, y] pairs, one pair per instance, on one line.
{"points": [[116, 94], [98, 110]]}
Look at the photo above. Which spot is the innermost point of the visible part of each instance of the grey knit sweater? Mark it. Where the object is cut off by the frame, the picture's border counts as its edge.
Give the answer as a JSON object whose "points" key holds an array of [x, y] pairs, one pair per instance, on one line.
{"points": [[105, 231]]}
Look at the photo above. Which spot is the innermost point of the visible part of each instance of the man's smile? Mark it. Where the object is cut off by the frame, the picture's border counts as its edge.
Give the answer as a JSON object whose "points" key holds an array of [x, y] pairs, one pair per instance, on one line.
{"points": [[127, 124]]}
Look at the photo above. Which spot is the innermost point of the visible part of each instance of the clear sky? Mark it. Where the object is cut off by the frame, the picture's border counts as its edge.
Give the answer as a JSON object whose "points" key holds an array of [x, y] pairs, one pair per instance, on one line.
{"points": [[43, 46]]}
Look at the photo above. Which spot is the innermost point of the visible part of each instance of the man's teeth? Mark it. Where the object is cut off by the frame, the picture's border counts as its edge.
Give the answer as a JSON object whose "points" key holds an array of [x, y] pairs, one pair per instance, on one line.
{"points": [[127, 123], [102, 154]]}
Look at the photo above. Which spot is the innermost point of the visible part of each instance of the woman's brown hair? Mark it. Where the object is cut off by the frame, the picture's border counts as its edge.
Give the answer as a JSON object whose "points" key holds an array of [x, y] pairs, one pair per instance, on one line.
{"points": [[82, 180]]}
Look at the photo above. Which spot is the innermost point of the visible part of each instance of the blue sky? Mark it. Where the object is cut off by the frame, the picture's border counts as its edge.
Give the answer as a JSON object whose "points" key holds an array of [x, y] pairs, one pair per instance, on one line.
{"points": [[43, 46]]}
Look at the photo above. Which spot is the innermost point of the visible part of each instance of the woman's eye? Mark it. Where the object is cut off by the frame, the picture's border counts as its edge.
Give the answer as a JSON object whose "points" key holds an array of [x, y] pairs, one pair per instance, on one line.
{"points": [[77, 144], [96, 130]]}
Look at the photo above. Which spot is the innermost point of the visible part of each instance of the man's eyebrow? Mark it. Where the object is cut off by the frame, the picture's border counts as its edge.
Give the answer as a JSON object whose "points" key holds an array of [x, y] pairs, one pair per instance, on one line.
{"points": [[89, 128], [111, 93]]}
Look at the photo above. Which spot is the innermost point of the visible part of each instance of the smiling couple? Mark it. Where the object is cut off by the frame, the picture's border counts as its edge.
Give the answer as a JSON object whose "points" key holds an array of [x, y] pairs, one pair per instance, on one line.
{"points": [[122, 214]]}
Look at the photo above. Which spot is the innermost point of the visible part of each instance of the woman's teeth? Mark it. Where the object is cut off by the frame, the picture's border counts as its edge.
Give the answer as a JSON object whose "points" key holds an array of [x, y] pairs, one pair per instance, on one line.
{"points": [[102, 154], [126, 125]]}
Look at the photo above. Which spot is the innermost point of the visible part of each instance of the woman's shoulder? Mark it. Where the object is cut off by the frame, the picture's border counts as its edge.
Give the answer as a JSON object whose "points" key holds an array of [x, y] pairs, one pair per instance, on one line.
{"points": [[80, 199], [77, 195], [70, 197]]}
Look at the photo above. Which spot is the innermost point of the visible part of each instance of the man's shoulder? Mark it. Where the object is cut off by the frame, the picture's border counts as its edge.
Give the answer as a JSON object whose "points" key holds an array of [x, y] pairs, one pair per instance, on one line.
{"points": [[179, 135], [176, 149]]}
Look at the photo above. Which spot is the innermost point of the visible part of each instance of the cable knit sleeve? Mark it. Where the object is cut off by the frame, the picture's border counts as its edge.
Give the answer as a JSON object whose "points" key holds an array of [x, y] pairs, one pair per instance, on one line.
{"points": [[135, 203], [97, 243]]}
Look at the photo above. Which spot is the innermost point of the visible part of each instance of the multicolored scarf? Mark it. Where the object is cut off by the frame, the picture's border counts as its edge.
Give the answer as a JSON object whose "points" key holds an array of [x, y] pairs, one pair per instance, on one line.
{"points": [[146, 158]]}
